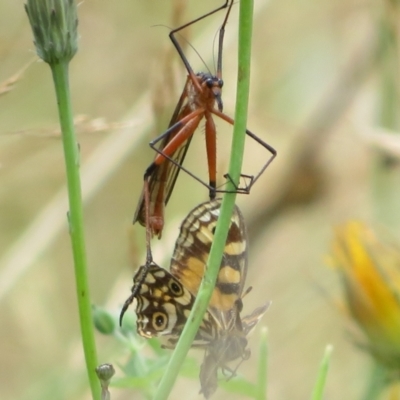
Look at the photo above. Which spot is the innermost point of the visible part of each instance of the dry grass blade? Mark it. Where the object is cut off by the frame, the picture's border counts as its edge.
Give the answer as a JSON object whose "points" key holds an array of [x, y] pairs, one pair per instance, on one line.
{"points": [[8, 85], [44, 230]]}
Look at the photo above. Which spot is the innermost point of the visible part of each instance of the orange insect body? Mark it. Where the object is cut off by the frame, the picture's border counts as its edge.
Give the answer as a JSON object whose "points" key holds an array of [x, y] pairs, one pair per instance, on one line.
{"points": [[202, 92]]}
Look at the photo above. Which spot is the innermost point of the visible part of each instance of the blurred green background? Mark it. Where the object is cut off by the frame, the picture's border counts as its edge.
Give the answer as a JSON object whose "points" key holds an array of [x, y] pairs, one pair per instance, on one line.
{"points": [[322, 82]]}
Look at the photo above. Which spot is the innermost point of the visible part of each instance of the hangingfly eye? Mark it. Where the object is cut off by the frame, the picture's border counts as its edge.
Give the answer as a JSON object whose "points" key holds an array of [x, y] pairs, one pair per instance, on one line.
{"points": [[197, 102]]}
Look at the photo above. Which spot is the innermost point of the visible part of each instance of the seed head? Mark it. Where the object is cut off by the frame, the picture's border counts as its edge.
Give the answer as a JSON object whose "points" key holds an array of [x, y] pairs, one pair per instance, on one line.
{"points": [[54, 25]]}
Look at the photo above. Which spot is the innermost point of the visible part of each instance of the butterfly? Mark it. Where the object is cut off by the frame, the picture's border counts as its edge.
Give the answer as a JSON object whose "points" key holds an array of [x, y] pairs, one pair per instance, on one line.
{"points": [[165, 298]]}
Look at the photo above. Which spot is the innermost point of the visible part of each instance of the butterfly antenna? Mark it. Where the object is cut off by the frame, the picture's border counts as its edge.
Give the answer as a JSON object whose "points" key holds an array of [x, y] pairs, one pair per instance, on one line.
{"points": [[248, 290], [126, 305], [149, 256]]}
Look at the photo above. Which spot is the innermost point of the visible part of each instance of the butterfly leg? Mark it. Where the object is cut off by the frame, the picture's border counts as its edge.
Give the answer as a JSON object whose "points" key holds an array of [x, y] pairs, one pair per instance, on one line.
{"points": [[143, 270]]}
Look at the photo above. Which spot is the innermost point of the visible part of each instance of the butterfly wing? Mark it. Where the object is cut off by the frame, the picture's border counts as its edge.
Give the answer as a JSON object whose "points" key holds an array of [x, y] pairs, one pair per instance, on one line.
{"points": [[229, 346], [250, 321], [164, 299], [163, 306], [191, 252]]}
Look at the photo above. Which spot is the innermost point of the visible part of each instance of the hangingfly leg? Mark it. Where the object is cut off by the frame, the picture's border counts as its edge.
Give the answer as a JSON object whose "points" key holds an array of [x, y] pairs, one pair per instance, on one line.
{"points": [[200, 99]]}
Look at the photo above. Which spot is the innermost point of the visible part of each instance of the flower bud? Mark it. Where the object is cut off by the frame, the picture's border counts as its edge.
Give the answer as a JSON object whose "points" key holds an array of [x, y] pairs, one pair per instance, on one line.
{"points": [[103, 321], [54, 25]]}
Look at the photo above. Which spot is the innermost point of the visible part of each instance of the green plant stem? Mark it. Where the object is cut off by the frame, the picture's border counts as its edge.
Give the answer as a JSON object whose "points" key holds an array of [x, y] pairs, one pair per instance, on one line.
{"points": [[322, 374], [75, 219], [228, 204]]}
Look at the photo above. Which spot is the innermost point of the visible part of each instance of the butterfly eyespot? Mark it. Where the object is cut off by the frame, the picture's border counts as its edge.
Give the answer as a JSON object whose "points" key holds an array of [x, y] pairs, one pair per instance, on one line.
{"points": [[175, 288], [160, 321], [165, 298]]}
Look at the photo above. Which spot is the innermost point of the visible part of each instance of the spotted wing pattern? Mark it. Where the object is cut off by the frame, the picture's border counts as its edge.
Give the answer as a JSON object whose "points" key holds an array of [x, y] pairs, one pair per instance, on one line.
{"points": [[163, 306], [164, 299]]}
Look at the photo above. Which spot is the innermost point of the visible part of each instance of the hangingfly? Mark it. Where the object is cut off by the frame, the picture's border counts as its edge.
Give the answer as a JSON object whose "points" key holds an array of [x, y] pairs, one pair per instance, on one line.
{"points": [[200, 99]]}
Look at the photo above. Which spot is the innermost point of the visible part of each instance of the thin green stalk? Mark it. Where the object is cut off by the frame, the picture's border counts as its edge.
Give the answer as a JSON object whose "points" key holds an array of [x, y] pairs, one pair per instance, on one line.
{"points": [[54, 26], [322, 374], [262, 370], [75, 218], [388, 116], [228, 204]]}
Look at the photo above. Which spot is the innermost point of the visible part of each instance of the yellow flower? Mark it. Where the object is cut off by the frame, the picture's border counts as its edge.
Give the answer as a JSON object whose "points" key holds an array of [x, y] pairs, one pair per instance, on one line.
{"points": [[370, 273]]}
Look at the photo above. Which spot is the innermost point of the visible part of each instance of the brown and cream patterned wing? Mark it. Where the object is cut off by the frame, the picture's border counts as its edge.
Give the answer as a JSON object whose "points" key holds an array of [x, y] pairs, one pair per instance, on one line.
{"points": [[231, 345], [163, 306], [193, 247]]}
